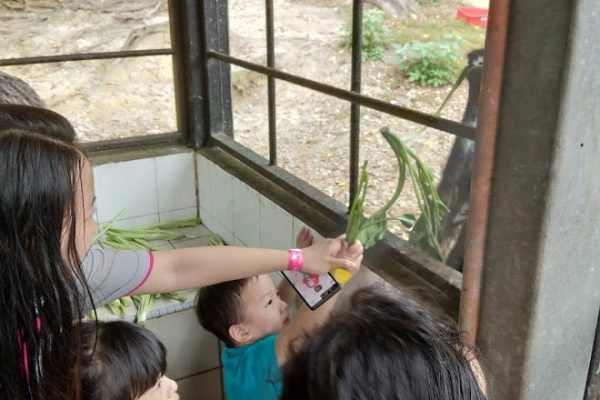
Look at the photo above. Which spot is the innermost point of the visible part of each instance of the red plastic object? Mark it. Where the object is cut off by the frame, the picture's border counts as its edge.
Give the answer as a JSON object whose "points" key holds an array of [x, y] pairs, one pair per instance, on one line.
{"points": [[472, 15]]}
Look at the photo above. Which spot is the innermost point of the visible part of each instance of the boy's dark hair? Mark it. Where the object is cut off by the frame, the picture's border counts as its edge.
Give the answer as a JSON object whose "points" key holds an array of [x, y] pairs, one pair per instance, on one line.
{"points": [[120, 360], [220, 306], [37, 120], [382, 348]]}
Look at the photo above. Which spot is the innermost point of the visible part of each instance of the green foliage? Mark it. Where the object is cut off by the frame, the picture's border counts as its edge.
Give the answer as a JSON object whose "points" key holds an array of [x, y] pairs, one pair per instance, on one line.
{"points": [[428, 2], [431, 63], [432, 208], [374, 35]]}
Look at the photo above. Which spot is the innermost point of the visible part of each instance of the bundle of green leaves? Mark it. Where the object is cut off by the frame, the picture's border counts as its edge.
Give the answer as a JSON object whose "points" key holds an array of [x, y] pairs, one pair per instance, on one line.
{"points": [[373, 229]]}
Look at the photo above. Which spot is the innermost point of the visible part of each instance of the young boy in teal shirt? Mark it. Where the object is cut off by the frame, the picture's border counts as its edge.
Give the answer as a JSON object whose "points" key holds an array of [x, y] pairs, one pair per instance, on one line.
{"points": [[251, 316]]}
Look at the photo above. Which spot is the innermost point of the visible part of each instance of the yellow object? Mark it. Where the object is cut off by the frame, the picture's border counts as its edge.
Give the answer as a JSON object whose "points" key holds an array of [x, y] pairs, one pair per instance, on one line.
{"points": [[341, 275]]}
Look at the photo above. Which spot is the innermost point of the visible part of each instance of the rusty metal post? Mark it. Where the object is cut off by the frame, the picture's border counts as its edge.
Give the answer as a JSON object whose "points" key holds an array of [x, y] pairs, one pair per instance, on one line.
{"points": [[482, 167]]}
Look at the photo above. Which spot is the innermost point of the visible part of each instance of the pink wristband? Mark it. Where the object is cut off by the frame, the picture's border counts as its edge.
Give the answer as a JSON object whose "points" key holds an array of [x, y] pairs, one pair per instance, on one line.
{"points": [[295, 260]]}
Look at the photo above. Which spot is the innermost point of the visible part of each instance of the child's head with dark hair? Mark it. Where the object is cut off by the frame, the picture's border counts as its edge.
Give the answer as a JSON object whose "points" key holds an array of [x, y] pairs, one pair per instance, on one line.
{"points": [[243, 311], [38, 120], [383, 348], [122, 361]]}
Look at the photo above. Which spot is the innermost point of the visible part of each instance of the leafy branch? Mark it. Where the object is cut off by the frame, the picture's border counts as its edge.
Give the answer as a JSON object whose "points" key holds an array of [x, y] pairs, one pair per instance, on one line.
{"points": [[432, 208]]}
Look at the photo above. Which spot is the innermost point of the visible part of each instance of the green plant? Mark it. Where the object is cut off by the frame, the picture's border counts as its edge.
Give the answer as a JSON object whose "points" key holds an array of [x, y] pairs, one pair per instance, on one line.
{"points": [[374, 35], [432, 63]]}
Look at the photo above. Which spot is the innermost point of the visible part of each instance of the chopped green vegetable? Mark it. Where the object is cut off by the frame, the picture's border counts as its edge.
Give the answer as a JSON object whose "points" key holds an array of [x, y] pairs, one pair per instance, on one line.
{"points": [[138, 238], [215, 240], [126, 301], [172, 296], [142, 303], [116, 308]]}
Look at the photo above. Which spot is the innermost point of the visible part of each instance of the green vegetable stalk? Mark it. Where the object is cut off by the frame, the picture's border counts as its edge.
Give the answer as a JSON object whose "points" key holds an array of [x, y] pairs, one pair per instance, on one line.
{"points": [[215, 240], [425, 231], [432, 208]]}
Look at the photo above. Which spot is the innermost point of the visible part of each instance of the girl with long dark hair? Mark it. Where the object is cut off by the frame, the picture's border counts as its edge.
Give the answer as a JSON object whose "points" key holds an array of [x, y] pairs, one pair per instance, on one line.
{"points": [[46, 226]]}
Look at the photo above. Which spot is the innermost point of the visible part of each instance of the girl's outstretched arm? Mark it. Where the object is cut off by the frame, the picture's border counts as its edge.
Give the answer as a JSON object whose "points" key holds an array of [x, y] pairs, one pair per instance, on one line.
{"points": [[200, 266]]}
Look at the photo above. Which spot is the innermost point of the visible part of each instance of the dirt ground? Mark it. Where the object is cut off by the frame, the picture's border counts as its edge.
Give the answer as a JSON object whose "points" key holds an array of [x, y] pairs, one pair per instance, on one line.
{"points": [[119, 98]]}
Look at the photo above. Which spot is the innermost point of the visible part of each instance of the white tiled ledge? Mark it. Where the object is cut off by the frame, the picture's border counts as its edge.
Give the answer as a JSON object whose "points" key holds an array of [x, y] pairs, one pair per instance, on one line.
{"points": [[159, 308]]}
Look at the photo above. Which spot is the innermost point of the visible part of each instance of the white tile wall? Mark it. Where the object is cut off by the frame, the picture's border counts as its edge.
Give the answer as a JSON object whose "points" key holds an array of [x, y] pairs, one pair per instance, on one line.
{"points": [[215, 226], [128, 184], [190, 349], [276, 226], [221, 198], [150, 190], [246, 214], [238, 243], [178, 215], [175, 182], [215, 192], [136, 221], [298, 224], [204, 167], [255, 220]]}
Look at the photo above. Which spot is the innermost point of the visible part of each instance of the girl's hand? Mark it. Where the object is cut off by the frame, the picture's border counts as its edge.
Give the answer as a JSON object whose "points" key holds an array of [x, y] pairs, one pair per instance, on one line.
{"points": [[329, 254]]}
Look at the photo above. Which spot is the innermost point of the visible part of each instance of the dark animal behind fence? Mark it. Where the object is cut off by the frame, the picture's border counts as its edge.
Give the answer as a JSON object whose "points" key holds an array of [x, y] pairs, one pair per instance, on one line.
{"points": [[455, 185]]}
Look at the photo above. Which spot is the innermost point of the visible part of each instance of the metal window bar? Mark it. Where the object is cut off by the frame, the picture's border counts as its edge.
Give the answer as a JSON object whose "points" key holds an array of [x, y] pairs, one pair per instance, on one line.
{"points": [[84, 57], [164, 137], [354, 96], [441, 124], [271, 84], [356, 74]]}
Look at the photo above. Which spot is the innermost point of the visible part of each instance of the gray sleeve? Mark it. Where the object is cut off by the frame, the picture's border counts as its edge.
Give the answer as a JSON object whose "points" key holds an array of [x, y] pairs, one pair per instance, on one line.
{"points": [[112, 274]]}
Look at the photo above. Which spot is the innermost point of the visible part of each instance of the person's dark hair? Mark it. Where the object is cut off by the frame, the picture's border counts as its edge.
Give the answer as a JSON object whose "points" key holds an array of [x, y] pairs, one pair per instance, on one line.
{"points": [[220, 306], [120, 360], [382, 348], [41, 284], [34, 119]]}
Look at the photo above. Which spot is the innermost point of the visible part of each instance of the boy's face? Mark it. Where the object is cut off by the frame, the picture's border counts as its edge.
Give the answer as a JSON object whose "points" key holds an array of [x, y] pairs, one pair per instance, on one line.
{"points": [[264, 312]]}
